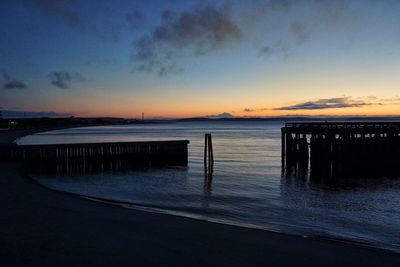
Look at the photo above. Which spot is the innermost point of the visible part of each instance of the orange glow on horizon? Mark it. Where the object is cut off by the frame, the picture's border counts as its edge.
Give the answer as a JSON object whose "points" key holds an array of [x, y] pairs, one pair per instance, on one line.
{"points": [[389, 110]]}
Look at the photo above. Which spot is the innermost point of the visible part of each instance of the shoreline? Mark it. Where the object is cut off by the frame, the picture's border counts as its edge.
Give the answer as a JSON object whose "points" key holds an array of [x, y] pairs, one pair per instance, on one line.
{"points": [[160, 210], [193, 216], [43, 226]]}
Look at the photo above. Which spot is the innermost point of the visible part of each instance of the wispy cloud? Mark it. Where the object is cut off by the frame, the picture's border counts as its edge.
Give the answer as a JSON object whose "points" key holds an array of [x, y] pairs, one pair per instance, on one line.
{"points": [[300, 31], [329, 103], [63, 79], [250, 110], [393, 99], [14, 84], [279, 47], [204, 29], [10, 83], [326, 15], [197, 31]]}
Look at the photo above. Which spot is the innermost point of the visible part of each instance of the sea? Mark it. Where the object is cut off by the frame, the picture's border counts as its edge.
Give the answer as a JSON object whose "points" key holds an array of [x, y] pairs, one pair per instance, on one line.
{"points": [[248, 186]]}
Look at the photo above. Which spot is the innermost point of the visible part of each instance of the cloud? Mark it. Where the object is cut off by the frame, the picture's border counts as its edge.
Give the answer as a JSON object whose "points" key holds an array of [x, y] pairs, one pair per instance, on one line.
{"points": [[326, 11], [335, 102], [250, 110], [279, 47], [14, 84], [10, 83], [300, 31], [170, 69], [205, 28], [321, 16], [327, 103], [197, 31], [63, 79], [393, 99]]}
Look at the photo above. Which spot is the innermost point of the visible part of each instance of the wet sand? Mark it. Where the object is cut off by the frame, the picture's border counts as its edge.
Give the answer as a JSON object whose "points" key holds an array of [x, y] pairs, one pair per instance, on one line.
{"points": [[41, 227]]}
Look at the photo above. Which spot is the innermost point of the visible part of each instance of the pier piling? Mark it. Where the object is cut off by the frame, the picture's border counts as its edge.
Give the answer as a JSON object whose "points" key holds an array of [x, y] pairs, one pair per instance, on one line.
{"points": [[118, 155], [208, 153], [349, 145]]}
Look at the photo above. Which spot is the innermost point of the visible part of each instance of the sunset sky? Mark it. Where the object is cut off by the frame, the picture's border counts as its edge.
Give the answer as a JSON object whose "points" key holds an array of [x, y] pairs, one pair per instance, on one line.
{"points": [[195, 58]]}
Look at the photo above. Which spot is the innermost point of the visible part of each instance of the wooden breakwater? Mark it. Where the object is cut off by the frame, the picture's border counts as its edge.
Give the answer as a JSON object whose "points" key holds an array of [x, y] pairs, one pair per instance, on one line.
{"points": [[99, 156], [342, 146]]}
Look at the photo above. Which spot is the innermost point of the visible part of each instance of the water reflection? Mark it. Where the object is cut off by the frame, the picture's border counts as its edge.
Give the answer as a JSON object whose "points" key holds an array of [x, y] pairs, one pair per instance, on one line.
{"points": [[207, 187], [74, 167], [338, 175]]}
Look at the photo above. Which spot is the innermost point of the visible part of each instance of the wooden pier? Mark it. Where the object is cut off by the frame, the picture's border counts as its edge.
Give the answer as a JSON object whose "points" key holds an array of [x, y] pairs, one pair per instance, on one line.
{"points": [[99, 156], [352, 145]]}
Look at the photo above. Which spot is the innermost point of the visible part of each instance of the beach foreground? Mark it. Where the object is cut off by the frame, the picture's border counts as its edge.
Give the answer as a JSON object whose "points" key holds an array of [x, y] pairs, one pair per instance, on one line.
{"points": [[43, 227]]}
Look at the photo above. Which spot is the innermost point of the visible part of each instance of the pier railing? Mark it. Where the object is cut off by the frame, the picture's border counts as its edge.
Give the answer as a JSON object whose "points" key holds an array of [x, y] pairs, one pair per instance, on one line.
{"points": [[338, 127]]}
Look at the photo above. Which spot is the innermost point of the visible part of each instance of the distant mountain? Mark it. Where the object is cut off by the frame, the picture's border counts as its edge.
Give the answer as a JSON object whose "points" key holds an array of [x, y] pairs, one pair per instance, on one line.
{"points": [[224, 115], [13, 114]]}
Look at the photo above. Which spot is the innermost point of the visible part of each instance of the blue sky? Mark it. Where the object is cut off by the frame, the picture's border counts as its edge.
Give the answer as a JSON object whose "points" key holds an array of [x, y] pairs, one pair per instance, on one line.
{"points": [[192, 58]]}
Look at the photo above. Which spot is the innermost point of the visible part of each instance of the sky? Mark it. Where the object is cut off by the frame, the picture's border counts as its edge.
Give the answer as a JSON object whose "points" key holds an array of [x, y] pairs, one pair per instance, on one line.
{"points": [[174, 59]]}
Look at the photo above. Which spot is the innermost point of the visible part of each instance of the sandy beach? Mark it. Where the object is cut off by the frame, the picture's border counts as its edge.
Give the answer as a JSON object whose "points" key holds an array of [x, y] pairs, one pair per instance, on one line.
{"points": [[41, 227]]}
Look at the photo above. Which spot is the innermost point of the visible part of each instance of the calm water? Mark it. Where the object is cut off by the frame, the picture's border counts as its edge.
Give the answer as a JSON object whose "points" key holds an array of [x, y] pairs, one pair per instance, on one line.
{"points": [[248, 186]]}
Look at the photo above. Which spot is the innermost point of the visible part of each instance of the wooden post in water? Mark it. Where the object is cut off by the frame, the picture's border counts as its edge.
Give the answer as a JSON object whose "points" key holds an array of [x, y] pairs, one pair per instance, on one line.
{"points": [[208, 153], [211, 153], [283, 147], [205, 149]]}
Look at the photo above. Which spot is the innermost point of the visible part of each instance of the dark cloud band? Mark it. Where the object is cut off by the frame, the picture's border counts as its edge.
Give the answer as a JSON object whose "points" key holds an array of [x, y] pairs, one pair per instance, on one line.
{"points": [[63, 79], [327, 103], [11, 84], [197, 31], [14, 84]]}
